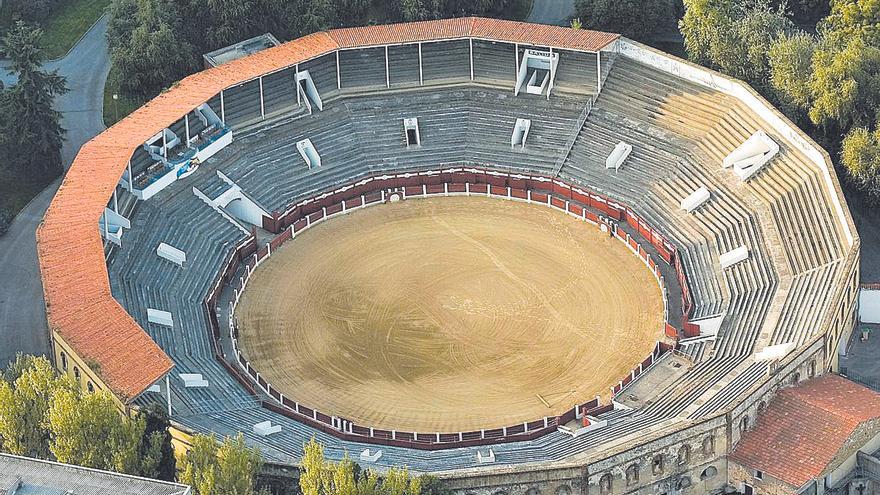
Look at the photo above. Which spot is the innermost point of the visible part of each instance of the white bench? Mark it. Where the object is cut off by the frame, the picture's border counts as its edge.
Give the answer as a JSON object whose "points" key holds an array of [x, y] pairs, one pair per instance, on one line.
{"points": [[371, 456], [309, 153], [160, 317], [171, 254], [695, 199], [265, 429], [193, 380], [486, 459], [733, 257], [618, 155], [749, 157]]}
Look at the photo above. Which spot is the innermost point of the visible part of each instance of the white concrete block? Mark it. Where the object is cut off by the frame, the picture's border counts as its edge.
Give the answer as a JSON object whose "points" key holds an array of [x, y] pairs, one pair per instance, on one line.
{"points": [[695, 199], [486, 459], [193, 380], [309, 153], [265, 429], [371, 456], [171, 254], [734, 256], [520, 133], [749, 157], [620, 152], [160, 317]]}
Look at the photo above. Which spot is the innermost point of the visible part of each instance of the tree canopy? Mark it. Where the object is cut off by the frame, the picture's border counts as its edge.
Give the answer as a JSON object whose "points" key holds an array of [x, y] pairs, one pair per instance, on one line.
{"points": [[210, 467], [634, 19]]}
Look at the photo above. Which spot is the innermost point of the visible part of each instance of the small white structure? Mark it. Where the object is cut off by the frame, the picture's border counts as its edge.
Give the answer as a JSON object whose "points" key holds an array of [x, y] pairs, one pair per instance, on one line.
{"points": [[307, 90], [160, 317], [537, 72], [265, 429], [111, 225], [486, 459], [620, 152], [309, 153], [171, 254], [159, 145], [592, 424], [520, 133], [370, 456], [709, 326], [193, 380], [733, 257], [154, 389], [695, 199], [748, 158], [774, 352], [869, 306], [411, 129]]}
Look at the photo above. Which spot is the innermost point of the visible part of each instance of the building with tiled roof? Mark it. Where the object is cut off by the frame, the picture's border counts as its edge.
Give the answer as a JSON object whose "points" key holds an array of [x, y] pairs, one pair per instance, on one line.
{"points": [[158, 225], [27, 476], [814, 433]]}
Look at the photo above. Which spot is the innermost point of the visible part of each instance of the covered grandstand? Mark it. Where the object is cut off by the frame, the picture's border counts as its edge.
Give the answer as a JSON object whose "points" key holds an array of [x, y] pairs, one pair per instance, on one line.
{"points": [[761, 256]]}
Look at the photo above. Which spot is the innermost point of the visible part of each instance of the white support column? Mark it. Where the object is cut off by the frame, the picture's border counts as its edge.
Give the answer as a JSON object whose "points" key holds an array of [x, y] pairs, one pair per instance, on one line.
{"points": [[421, 81], [262, 101], [515, 65], [186, 122], [115, 201], [164, 145], [471, 46], [130, 178], [387, 69], [168, 393], [296, 81], [106, 228], [338, 73], [598, 72], [552, 73], [222, 109]]}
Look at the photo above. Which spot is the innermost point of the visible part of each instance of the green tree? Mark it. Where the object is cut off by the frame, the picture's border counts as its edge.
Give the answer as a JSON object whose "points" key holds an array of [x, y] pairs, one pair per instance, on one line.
{"points": [[860, 157], [791, 65], [845, 85], [700, 25], [314, 469], [76, 420], [25, 404], [368, 483], [159, 461], [155, 54], [634, 19], [851, 19], [229, 468], [31, 127]]}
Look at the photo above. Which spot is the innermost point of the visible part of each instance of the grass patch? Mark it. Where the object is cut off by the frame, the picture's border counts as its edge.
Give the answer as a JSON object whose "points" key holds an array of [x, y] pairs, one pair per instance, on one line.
{"points": [[17, 187], [64, 27], [67, 25], [116, 110]]}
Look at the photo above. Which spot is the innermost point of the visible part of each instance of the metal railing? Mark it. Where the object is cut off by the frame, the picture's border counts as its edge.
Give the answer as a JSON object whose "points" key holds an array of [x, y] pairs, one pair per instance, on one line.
{"points": [[582, 119]]}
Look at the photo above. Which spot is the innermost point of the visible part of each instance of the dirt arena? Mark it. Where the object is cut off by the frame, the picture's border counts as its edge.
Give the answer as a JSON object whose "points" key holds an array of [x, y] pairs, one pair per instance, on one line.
{"points": [[449, 314]]}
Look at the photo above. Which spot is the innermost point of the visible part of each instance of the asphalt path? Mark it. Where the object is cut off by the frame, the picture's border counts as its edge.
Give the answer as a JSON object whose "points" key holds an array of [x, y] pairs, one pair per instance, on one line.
{"points": [[23, 326]]}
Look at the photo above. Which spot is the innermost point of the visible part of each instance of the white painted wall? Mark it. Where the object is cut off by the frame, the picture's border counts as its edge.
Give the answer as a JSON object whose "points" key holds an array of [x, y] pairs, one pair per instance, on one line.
{"points": [[869, 306]]}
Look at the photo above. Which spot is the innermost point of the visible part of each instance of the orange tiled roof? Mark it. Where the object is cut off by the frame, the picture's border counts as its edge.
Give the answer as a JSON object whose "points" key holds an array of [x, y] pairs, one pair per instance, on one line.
{"points": [[804, 427], [79, 304]]}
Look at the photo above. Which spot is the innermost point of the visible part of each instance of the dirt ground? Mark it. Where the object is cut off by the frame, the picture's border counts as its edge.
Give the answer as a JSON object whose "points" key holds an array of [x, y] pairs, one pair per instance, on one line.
{"points": [[449, 314]]}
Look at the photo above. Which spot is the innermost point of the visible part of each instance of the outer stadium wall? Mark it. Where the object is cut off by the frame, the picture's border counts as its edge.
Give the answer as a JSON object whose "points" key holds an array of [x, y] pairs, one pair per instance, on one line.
{"points": [[554, 193]]}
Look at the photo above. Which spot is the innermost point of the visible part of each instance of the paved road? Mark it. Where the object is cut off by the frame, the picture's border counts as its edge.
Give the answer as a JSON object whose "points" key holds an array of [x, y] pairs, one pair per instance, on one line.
{"points": [[552, 12], [22, 317]]}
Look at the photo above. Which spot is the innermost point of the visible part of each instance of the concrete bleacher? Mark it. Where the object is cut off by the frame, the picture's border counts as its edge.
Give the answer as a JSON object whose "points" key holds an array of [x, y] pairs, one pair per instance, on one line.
{"points": [[680, 133]]}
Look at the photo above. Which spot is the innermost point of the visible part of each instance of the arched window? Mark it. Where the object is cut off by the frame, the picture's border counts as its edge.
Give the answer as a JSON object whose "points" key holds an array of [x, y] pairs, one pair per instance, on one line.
{"points": [[684, 455], [657, 465], [744, 424], [632, 474], [683, 483], [563, 490], [90, 386], [709, 445], [605, 484], [63, 361], [795, 378], [761, 406], [76, 373], [709, 473], [811, 372]]}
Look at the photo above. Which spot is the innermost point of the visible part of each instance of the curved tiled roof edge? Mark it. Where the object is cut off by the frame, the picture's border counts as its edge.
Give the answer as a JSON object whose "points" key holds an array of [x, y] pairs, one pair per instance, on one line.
{"points": [[79, 305]]}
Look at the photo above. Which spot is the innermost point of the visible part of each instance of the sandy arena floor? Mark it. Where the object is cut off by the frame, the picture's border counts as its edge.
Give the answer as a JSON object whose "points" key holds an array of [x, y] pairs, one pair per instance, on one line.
{"points": [[449, 314]]}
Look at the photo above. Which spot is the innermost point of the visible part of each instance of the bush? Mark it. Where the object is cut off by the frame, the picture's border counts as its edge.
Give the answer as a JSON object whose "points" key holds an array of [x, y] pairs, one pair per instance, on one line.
{"points": [[5, 220]]}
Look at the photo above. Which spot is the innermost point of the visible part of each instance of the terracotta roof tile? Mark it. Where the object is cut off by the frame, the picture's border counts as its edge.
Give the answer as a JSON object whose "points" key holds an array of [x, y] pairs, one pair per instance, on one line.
{"points": [[79, 304], [804, 427]]}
